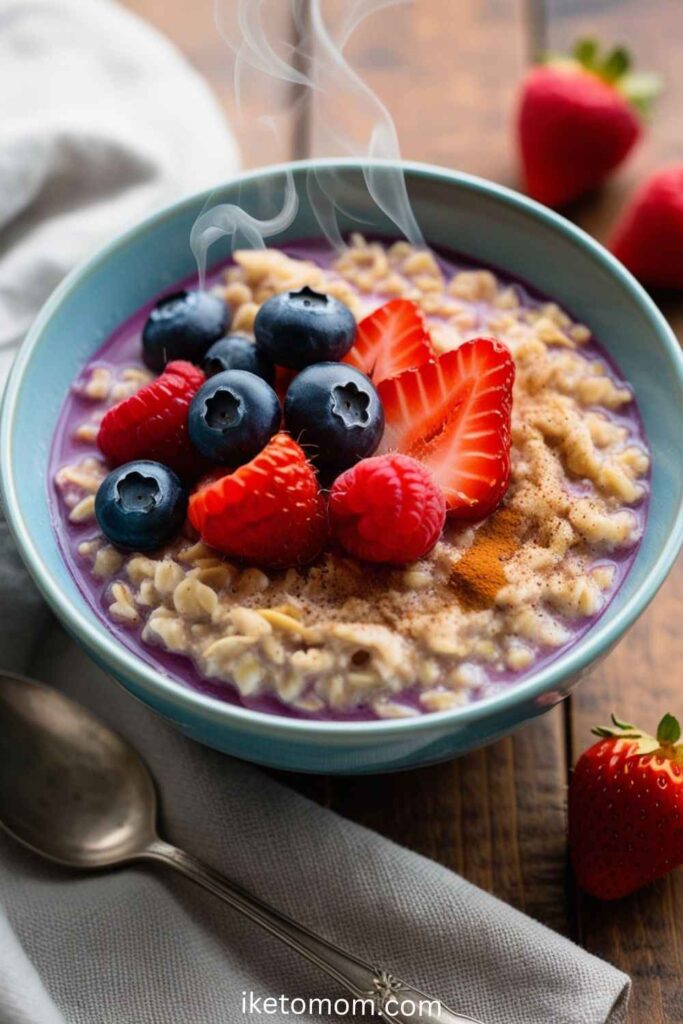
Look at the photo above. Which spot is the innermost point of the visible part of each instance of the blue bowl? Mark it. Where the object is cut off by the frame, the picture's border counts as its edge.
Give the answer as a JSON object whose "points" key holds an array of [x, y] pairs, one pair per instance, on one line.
{"points": [[488, 223]]}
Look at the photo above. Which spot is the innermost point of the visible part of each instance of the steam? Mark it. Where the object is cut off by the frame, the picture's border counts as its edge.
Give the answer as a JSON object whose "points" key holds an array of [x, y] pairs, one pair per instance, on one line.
{"points": [[319, 74], [337, 83], [244, 230]]}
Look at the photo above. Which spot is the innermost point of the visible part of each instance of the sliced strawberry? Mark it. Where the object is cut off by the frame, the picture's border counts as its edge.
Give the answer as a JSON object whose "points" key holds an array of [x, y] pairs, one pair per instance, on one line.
{"points": [[392, 339], [269, 512], [453, 415]]}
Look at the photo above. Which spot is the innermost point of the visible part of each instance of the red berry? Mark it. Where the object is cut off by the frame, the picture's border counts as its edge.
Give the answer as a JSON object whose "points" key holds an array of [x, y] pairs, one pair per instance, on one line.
{"points": [[390, 340], [387, 509], [626, 809], [453, 415], [269, 511], [578, 119], [283, 378], [152, 424], [649, 237]]}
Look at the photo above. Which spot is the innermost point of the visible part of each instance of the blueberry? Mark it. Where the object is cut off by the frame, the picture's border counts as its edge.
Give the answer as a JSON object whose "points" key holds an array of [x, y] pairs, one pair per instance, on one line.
{"points": [[334, 411], [233, 416], [183, 326], [296, 329], [141, 506], [236, 352]]}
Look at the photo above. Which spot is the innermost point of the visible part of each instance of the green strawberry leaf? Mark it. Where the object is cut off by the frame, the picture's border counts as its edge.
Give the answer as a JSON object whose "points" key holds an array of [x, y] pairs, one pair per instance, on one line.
{"points": [[615, 65], [668, 730], [639, 89], [668, 735], [620, 730], [618, 733], [621, 725], [586, 52]]}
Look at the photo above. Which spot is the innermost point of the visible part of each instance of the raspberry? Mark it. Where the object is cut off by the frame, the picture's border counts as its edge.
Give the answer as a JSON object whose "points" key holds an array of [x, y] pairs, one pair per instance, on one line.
{"points": [[152, 423], [269, 512], [387, 509]]}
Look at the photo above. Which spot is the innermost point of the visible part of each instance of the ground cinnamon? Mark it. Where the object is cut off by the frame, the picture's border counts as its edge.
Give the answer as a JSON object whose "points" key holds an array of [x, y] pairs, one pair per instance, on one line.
{"points": [[479, 574]]}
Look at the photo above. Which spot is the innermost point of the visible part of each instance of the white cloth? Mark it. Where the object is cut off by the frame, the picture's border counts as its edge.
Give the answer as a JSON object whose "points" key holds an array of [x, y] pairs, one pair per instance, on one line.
{"points": [[102, 120]]}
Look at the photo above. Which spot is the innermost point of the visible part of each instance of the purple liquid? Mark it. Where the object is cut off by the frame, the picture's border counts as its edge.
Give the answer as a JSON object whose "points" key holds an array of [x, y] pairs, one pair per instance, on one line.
{"points": [[123, 350]]}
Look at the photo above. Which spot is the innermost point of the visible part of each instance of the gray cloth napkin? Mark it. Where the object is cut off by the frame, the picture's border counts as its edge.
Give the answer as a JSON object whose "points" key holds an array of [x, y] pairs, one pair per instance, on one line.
{"points": [[139, 946]]}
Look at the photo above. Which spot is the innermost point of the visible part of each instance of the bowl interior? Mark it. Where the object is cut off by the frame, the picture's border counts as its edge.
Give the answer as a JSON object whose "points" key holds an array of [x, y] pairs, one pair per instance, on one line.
{"points": [[466, 215]]}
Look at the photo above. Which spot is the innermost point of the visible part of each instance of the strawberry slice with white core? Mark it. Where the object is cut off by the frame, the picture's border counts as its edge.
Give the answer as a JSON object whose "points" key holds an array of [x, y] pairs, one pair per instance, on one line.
{"points": [[453, 415], [390, 340]]}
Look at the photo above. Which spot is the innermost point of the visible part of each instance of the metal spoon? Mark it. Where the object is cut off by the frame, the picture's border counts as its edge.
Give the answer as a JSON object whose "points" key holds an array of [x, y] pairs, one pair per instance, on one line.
{"points": [[76, 793]]}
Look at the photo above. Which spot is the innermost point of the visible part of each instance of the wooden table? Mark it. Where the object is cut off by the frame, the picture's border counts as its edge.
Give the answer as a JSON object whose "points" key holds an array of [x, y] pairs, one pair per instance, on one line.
{"points": [[448, 69]]}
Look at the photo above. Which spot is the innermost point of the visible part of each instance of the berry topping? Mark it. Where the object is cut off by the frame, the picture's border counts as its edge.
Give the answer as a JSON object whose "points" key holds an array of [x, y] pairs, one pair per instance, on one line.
{"points": [[270, 511], [283, 378], [626, 808], [578, 119], [140, 506], [237, 352], [233, 416], [387, 509], [390, 340], [648, 238], [183, 326], [334, 411], [152, 424], [296, 329], [453, 415]]}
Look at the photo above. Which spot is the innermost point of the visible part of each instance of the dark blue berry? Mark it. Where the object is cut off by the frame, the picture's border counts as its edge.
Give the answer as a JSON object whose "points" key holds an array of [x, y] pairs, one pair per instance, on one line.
{"points": [[296, 329], [183, 326], [334, 411], [236, 352], [233, 416], [141, 506]]}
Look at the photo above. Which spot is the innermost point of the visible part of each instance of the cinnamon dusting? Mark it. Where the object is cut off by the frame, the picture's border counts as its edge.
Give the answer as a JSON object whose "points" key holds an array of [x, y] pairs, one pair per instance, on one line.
{"points": [[479, 574]]}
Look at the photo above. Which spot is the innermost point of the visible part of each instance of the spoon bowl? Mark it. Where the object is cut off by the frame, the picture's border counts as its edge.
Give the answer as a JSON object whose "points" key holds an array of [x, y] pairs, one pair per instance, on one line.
{"points": [[70, 788]]}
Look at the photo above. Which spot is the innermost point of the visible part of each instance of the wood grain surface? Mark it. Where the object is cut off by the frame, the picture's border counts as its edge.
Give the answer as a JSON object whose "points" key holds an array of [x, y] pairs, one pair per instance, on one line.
{"points": [[448, 69]]}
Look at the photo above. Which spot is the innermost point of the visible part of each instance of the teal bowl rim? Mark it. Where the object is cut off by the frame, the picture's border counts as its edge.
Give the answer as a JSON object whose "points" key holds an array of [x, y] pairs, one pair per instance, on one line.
{"points": [[119, 659]]}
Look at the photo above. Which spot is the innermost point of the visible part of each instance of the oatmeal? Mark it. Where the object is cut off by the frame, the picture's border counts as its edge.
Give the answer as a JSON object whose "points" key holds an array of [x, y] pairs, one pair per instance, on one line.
{"points": [[341, 637]]}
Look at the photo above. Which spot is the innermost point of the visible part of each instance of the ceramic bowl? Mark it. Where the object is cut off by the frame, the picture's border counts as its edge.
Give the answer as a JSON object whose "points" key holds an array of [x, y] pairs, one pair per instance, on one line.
{"points": [[479, 219]]}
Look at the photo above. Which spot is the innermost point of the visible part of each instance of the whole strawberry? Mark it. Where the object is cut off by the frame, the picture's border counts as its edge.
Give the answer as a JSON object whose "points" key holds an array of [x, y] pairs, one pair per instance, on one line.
{"points": [[626, 809], [648, 238], [578, 119]]}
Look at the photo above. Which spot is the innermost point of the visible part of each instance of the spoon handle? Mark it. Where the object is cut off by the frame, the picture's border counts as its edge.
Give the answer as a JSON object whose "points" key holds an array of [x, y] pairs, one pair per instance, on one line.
{"points": [[383, 993]]}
